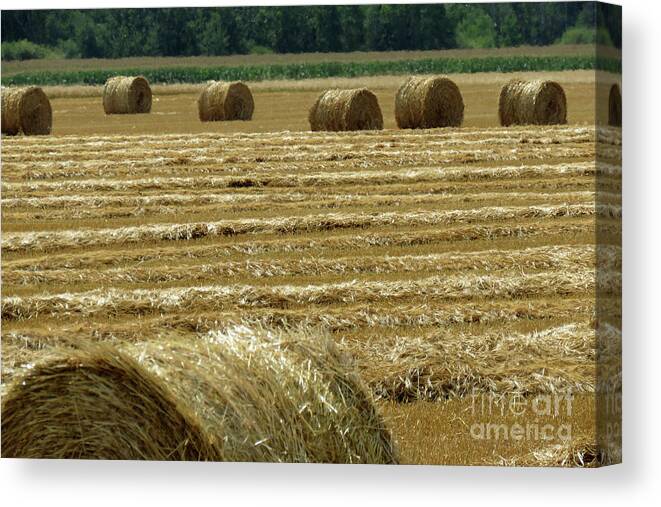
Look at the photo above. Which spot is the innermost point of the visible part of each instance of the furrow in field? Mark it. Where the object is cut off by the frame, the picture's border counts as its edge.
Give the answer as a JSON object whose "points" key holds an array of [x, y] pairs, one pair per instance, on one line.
{"points": [[15, 219], [245, 180], [448, 364], [101, 142], [318, 243], [61, 204], [538, 258], [442, 364], [388, 379], [48, 199], [74, 170], [22, 241], [171, 151], [609, 135], [33, 166], [45, 199], [542, 183], [115, 302], [341, 320], [393, 157]]}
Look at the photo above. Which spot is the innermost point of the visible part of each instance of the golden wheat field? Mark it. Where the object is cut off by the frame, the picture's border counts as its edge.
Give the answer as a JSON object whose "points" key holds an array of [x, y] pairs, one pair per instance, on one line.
{"points": [[445, 262]]}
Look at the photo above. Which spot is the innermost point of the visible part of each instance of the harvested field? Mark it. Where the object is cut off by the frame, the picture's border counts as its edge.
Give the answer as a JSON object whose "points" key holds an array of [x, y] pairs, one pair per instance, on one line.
{"points": [[444, 262], [283, 105]]}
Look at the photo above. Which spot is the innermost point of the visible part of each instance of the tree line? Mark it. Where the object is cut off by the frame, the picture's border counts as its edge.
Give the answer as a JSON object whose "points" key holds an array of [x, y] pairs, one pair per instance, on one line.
{"points": [[114, 33]]}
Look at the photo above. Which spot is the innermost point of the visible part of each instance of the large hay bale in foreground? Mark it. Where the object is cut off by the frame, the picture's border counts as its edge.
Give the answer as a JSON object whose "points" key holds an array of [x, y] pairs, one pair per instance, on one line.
{"points": [[237, 396], [26, 110], [126, 95], [532, 103], [339, 110], [429, 103], [615, 106], [225, 101]]}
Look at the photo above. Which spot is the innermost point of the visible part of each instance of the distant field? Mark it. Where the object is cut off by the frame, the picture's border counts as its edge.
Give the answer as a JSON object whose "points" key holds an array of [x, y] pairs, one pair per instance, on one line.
{"points": [[249, 69], [11, 68], [283, 105]]}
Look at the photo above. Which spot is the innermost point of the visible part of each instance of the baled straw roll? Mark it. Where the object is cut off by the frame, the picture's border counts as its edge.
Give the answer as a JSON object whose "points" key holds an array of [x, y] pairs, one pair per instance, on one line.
{"points": [[26, 110], [429, 102], [127, 95], [532, 103], [341, 110], [241, 395], [225, 101]]}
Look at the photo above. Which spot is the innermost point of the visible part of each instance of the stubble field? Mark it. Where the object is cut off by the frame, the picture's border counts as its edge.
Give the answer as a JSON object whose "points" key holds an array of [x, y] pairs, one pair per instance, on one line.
{"points": [[447, 262]]}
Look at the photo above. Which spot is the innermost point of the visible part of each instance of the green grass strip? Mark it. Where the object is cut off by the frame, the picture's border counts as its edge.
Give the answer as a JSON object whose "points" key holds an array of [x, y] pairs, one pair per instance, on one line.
{"points": [[322, 69]]}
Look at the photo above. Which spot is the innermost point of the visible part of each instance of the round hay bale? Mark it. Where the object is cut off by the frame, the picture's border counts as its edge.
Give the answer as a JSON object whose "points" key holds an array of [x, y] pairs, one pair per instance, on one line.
{"points": [[338, 110], [532, 103], [615, 106], [225, 101], [423, 103], [126, 95], [26, 110], [242, 395]]}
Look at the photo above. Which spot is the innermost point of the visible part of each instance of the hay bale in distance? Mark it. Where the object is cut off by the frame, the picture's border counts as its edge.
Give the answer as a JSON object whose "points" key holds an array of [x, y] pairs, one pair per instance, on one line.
{"points": [[26, 110], [339, 110], [429, 102], [225, 101], [615, 106], [241, 395], [126, 95], [532, 103]]}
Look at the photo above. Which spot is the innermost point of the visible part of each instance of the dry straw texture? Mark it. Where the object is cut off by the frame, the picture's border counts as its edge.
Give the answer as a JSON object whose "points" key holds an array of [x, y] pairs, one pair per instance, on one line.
{"points": [[126, 95], [615, 106], [449, 364], [225, 101], [580, 452], [239, 396], [26, 110], [429, 103], [532, 103], [338, 110], [43, 240]]}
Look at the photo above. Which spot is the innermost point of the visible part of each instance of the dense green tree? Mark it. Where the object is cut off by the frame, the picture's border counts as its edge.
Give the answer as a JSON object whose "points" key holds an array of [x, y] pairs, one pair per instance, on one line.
{"points": [[89, 45], [434, 27], [293, 33], [609, 18], [214, 39], [507, 25], [352, 23], [113, 33], [327, 27], [374, 28], [476, 30], [588, 15]]}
